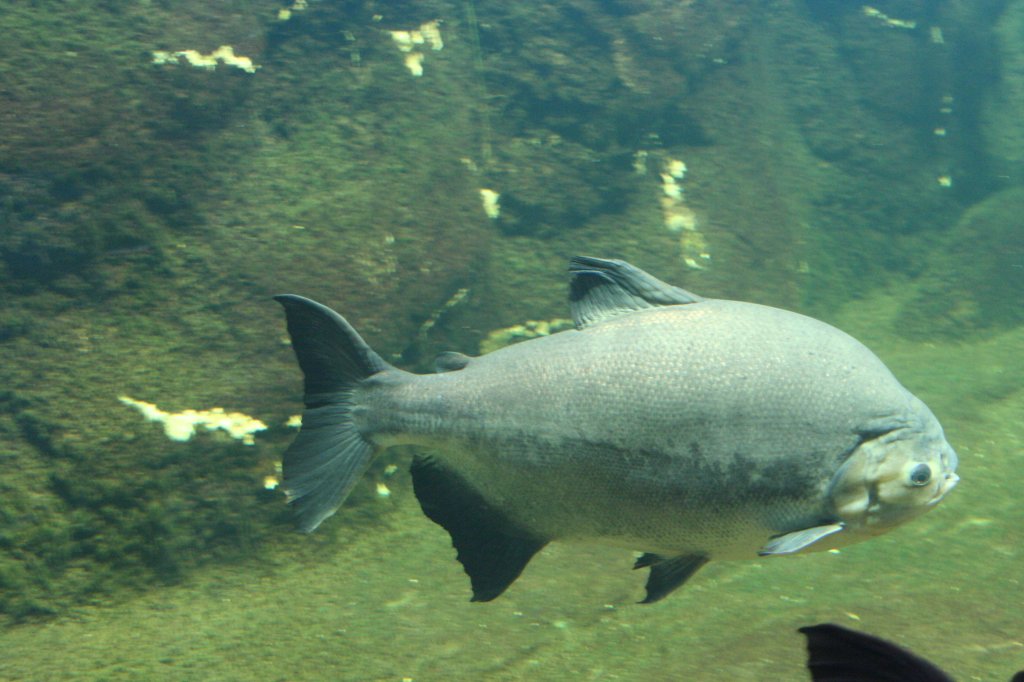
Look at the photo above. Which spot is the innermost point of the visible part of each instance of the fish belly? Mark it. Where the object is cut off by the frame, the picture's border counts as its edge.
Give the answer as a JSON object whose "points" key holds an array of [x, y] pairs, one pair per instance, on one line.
{"points": [[591, 493]]}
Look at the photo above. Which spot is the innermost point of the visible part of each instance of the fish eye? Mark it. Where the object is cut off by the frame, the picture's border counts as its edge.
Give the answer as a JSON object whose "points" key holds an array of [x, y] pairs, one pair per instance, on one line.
{"points": [[920, 475]]}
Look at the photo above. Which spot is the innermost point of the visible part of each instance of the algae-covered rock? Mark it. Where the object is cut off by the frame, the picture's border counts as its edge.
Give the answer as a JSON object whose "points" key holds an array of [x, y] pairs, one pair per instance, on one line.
{"points": [[140, 245], [552, 185], [100, 149], [1003, 108], [974, 280]]}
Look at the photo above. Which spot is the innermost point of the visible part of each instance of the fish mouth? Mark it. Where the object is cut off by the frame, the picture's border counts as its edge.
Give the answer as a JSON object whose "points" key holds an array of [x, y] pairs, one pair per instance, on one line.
{"points": [[951, 480]]}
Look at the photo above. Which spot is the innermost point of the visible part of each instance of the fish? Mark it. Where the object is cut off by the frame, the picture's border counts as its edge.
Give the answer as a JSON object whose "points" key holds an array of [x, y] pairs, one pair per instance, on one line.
{"points": [[684, 428], [838, 654]]}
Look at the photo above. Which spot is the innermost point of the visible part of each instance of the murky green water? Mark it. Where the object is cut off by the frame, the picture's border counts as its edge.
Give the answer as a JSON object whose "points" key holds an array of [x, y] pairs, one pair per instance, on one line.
{"points": [[860, 164]]}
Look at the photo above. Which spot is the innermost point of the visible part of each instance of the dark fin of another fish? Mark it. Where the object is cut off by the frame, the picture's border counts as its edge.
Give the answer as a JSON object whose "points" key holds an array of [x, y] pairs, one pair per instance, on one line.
{"points": [[329, 454], [837, 654], [601, 289], [450, 361], [492, 551], [798, 539], [667, 573]]}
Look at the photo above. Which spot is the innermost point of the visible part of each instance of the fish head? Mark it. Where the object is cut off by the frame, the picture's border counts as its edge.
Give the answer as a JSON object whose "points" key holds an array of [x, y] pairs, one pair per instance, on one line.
{"points": [[901, 468]]}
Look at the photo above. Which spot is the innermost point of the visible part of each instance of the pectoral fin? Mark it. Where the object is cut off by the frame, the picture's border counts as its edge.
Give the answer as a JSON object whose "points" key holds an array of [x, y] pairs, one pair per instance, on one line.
{"points": [[798, 539]]}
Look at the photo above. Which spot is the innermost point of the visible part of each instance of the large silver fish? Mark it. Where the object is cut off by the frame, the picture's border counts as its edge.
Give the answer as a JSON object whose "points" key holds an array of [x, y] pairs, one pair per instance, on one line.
{"points": [[688, 428]]}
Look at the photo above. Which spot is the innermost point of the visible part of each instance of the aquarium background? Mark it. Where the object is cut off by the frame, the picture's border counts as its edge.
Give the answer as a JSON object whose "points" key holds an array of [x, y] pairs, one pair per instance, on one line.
{"points": [[427, 168]]}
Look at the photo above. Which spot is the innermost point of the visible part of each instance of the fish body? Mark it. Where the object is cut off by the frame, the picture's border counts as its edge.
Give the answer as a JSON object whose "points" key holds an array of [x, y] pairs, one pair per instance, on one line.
{"points": [[691, 429]]}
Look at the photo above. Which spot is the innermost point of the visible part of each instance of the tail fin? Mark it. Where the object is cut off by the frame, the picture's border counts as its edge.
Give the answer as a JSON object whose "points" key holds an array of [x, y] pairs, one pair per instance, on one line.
{"points": [[329, 454]]}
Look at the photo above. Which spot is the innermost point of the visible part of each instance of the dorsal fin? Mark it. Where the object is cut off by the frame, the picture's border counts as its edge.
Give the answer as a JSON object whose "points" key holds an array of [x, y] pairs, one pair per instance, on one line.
{"points": [[450, 361], [601, 289]]}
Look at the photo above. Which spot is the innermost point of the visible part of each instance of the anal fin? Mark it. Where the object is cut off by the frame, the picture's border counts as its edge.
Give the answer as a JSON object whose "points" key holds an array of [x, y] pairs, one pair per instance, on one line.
{"points": [[492, 550], [667, 573]]}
